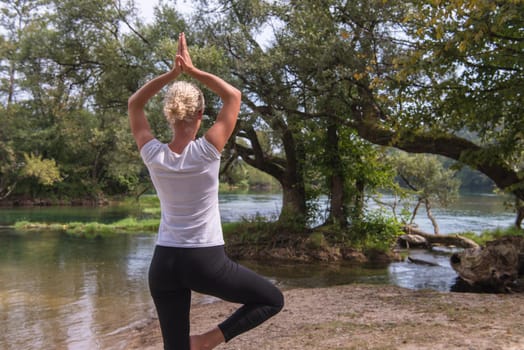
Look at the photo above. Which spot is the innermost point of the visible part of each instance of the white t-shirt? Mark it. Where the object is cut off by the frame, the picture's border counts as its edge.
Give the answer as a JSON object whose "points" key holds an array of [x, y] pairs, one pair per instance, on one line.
{"points": [[187, 185]]}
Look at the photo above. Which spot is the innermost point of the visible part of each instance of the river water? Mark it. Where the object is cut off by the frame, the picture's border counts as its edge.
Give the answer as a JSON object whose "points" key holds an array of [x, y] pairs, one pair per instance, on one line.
{"points": [[63, 292]]}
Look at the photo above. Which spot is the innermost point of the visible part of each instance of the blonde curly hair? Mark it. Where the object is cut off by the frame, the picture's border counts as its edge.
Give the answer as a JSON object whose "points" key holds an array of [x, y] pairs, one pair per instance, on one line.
{"points": [[183, 101]]}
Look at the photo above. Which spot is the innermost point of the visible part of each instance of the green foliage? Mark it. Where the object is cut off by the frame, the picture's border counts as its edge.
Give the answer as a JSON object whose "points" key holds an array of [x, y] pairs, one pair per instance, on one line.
{"points": [[147, 201], [466, 62], [257, 230], [45, 171], [137, 225], [316, 240], [67, 71], [262, 232], [89, 230], [241, 177], [425, 178]]}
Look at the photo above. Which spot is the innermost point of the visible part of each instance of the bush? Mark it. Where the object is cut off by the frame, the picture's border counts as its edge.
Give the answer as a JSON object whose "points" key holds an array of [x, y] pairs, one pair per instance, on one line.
{"points": [[252, 230], [375, 231]]}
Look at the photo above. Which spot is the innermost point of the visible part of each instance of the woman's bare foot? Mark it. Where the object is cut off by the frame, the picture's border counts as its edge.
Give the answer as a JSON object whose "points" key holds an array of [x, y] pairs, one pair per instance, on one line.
{"points": [[206, 341], [195, 343]]}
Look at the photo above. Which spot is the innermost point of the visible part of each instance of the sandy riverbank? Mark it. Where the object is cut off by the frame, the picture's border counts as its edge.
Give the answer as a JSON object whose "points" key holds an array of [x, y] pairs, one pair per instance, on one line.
{"points": [[369, 317]]}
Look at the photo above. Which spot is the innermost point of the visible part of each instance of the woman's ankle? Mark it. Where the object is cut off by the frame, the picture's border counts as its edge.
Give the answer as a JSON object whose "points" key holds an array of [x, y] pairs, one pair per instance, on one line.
{"points": [[208, 340]]}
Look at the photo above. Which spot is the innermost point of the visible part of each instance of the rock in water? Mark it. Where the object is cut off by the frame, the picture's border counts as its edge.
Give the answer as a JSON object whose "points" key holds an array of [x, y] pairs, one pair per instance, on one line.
{"points": [[497, 265]]}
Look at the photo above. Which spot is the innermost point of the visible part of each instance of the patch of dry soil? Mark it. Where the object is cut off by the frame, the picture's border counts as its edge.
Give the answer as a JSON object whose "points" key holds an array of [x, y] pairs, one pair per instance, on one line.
{"points": [[369, 317]]}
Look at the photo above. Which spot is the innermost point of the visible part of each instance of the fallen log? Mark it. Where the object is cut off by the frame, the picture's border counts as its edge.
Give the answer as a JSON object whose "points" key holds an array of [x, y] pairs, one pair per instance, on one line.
{"points": [[421, 262], [497, 266], [432, 239]]}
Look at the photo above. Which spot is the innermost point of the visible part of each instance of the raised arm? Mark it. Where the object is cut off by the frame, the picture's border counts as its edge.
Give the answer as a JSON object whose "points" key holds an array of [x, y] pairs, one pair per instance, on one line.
{"points": [[136, 103], [224, 125]]}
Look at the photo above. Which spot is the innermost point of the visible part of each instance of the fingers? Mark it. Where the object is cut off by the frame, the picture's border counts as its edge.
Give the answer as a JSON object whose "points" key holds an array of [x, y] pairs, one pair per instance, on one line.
{"points": [[183, 59], [180, 60], [177, 65], [182, 45]]}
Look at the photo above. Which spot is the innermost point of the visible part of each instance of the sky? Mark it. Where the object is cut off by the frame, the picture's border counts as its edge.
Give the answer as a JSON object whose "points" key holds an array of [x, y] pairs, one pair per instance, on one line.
{"points": [[145, 11], [145, 7]]}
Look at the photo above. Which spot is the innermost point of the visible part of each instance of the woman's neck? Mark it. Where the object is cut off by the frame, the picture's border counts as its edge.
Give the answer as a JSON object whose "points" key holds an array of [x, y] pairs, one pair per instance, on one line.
{"points": [[182, 136]]}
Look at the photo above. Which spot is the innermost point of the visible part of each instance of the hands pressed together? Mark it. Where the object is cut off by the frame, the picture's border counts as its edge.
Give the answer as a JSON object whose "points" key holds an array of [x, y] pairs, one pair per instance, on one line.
{"points": [[183, 61]]}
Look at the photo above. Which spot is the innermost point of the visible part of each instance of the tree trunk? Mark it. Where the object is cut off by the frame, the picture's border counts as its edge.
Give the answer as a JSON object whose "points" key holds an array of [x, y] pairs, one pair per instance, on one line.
{"points": [[288, 171], [11, 87], [431, 217], [520, 213], [293, 204], [359, 200], [415, 211], [337, 203]]}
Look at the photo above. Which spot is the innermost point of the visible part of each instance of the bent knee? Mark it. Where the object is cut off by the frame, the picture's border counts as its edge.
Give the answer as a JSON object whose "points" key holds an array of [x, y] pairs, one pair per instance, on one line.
{"points": [[278, 302]]}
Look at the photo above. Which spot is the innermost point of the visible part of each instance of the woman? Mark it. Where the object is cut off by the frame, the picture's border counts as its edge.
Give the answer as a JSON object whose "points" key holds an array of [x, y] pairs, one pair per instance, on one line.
{"points": [[189, 254]]}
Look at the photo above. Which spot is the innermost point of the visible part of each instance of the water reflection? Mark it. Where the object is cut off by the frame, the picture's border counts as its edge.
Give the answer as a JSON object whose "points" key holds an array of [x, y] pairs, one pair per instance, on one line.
{"points": [[68, 292], [295, 275]]}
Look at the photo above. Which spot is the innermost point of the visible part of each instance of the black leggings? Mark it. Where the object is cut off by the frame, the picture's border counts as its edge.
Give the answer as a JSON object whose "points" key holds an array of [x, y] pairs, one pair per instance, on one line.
{"points": [[175, 272]]}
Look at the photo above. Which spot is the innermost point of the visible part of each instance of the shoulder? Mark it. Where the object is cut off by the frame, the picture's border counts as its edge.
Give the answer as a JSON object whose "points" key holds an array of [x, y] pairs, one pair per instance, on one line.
{"points": [[150, 149], [206, 148]]}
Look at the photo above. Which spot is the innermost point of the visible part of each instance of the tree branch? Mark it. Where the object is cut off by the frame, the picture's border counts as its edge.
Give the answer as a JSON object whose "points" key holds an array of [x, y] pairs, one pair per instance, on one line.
{"points": [[446, 145]]}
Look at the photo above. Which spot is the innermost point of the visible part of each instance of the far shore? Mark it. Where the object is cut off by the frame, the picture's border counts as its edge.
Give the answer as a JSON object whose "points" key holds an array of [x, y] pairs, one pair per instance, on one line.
{"points": [[358, 317]]}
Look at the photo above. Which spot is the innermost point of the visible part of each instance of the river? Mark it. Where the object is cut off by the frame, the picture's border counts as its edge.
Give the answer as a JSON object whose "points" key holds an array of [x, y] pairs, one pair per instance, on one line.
{"points": [[63, 292]]}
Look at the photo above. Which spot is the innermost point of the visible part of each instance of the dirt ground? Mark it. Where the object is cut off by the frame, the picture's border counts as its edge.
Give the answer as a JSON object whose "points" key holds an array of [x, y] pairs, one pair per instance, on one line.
{"points": [[369, 317]]}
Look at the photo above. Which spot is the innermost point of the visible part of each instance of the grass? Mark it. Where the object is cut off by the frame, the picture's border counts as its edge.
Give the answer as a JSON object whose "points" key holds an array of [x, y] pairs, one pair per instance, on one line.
{"points": [[94, 229], [490, 235]]}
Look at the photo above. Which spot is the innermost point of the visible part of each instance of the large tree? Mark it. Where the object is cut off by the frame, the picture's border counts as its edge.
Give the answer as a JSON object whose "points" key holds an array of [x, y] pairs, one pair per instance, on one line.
{"points": [[261, 76], [287, 95], [412, 75]]}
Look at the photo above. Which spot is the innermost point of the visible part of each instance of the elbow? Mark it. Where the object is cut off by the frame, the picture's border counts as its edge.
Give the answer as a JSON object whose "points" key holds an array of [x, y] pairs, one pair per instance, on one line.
{"points": [[133, 104], [236, 95], [232, 97]]}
